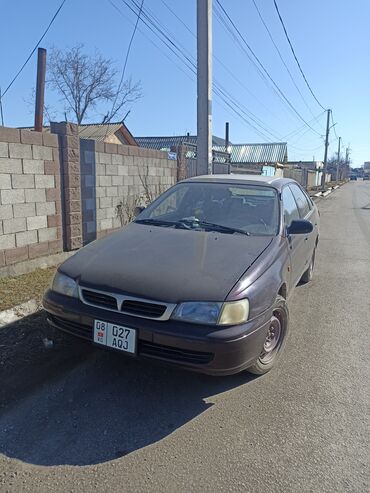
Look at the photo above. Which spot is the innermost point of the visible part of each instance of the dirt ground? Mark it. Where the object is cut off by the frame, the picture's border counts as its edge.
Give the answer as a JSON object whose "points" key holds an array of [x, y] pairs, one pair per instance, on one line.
{"points": [[17, 290]]}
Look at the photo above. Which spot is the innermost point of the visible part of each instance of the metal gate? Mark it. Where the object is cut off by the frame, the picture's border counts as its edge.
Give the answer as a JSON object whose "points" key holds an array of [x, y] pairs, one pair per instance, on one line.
{"points": [[187, 161]]}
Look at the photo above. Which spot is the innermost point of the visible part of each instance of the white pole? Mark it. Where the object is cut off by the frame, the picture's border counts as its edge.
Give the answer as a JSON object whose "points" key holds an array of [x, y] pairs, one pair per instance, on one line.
{"points": [[204, 87]]}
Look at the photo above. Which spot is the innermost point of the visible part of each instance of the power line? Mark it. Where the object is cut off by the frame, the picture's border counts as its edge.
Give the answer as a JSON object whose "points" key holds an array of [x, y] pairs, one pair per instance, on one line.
{"points": [[152, 42], [34, 49], [303, 127], [280, 55], [153, 24], [225, 98], [218, 60], [125, 62], [177, 17], [1, 110], [159, 29], [263, 68], [295, 56]]}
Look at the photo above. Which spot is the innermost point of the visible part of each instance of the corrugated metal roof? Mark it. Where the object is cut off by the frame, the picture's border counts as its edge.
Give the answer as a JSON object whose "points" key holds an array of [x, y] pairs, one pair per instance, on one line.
{"points": [[240, 153], [258, 153], [165, 143]]}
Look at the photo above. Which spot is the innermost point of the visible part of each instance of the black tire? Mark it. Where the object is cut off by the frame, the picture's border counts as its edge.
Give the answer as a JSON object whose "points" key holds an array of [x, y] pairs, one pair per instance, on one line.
{"points": [[270, 354], [308, 275]]}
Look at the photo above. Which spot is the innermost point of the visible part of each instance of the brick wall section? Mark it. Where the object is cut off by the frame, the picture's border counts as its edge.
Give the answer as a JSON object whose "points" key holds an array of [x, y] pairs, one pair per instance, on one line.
{"points": [[118, 170], [30, 206], [69, 150]]}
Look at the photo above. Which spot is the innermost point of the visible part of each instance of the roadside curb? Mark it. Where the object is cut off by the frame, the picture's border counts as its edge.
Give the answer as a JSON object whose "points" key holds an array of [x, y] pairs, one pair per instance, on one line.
{"points": [[320, 195], [17, 312]]}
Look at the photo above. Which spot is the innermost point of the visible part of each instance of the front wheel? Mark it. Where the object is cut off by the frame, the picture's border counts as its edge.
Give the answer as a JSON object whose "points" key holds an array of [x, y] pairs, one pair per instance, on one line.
{"points": [[275, 338]]}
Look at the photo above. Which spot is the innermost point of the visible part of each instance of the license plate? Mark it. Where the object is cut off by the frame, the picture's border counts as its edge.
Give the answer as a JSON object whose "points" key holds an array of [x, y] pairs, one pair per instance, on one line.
{"points": [[115, 336]]}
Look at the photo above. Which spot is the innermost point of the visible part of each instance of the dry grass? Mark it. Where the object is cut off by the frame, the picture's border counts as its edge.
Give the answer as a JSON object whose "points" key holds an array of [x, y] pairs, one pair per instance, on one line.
{"points": [[16, 290]]}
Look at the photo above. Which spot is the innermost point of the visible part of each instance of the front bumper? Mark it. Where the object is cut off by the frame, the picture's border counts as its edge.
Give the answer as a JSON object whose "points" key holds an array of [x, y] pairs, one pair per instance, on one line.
{"points": [[206, 349]]}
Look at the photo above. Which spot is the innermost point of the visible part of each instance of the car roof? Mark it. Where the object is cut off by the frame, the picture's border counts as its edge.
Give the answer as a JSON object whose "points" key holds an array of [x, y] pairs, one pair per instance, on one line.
{"points": [[272, 181]]}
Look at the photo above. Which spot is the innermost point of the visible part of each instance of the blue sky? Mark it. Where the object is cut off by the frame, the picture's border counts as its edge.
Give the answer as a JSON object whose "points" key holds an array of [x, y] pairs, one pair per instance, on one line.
{"points": [[331, 39]]}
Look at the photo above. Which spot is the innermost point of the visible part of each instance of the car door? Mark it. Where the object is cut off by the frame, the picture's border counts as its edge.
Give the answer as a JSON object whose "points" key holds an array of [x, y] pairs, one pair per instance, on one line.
{"points": [[306, 211], [296, 243]]}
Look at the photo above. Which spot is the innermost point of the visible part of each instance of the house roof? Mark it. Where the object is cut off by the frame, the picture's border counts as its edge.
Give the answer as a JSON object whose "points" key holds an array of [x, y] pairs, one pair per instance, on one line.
{"points": [[258, 153], [165, 143], [240, 153], [100, 131]]}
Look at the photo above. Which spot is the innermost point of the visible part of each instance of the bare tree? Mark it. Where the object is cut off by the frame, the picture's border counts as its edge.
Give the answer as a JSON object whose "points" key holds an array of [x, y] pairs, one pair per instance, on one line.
{"points": [[126, 208], [151, 191], [85, 82], [343, 168]]}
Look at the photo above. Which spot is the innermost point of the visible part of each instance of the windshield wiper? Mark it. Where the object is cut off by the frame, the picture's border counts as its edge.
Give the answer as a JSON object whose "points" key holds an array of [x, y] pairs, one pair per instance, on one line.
{"points": [[220, 227], [156, 222], [192, 223]]}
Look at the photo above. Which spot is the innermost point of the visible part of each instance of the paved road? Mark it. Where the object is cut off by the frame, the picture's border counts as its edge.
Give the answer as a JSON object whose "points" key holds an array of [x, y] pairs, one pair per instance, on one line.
{"points": [[90, 421]]}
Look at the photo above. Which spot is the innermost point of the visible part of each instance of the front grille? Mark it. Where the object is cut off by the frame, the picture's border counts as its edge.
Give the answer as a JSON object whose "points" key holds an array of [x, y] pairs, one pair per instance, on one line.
{"points": [[99, 299], [173, 354], [75, 328], [143, 308], [136, 307]]}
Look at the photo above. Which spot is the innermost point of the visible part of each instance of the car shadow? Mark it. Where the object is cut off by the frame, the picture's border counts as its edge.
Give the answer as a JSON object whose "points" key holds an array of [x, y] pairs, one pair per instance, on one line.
{"points": [[71, 404]]}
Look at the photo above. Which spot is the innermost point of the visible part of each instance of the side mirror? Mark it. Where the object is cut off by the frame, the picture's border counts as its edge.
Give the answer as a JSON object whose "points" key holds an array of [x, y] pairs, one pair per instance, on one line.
{"points": [[138, 210], [300, 227]]}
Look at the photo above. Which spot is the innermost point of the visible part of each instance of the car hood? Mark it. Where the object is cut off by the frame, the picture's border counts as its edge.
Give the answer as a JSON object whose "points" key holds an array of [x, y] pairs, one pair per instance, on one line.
{"points": [[166, 264]]}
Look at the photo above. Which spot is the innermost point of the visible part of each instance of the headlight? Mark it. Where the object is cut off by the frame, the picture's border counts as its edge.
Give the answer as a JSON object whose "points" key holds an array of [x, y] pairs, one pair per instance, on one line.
{"points": [[234, 312], [213, 313], [201, 312], [64, 285]]}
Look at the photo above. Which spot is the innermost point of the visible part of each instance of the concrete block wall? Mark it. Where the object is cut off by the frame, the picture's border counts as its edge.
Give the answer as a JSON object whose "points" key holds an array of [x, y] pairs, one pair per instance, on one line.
{"points": [[120, 172], [59, 192], [30, 205]]}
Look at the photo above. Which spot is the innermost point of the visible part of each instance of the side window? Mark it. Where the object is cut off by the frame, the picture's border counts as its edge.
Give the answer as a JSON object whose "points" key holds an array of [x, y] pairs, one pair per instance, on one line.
{"points": [[301, 199], [289, 206]]}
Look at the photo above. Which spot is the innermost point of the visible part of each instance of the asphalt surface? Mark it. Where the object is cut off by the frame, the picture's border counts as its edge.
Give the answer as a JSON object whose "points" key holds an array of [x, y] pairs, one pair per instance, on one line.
{"points": [[77, 419]]}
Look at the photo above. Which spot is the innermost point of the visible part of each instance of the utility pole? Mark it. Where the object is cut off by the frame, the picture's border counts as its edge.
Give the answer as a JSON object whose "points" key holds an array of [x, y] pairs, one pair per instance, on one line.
{"points": [[338, 159], [40, 89], [347, 162], [204, 87], [323, 176], [227, 141]]}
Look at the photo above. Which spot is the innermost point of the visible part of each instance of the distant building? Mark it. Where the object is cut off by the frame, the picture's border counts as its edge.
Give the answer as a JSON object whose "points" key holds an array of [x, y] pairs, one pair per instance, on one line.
{"points": [[367, 167], [312, 165], [244, 158], [113, 133]]}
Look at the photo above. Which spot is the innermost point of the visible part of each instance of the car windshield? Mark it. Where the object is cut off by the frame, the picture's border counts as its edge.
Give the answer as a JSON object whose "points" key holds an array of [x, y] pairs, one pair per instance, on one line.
{"points": [[223, 207]]}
